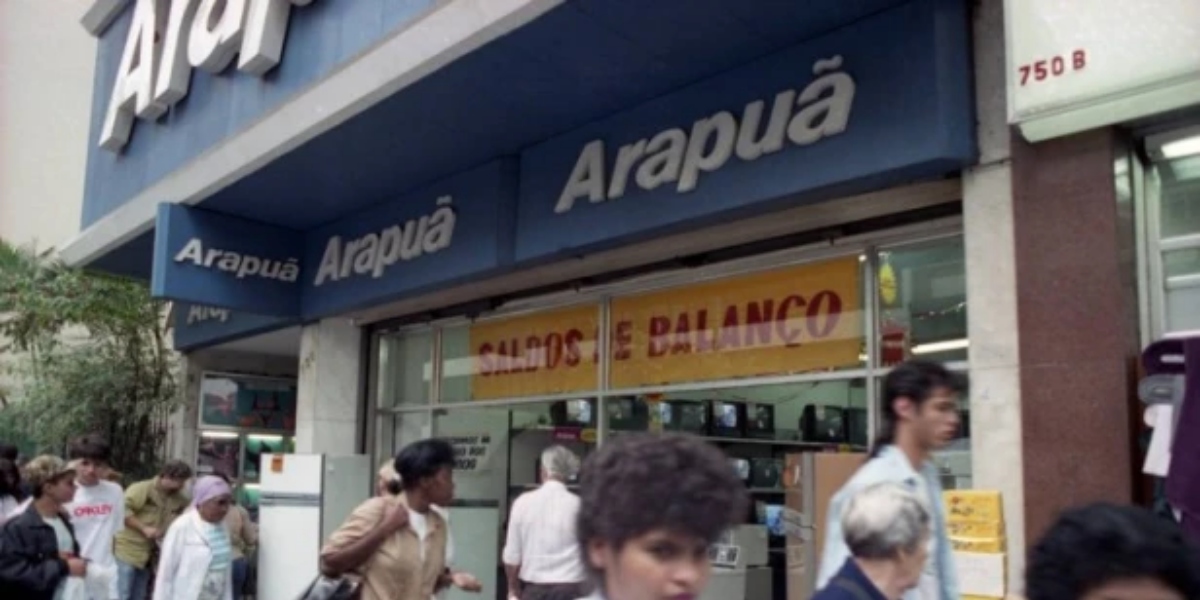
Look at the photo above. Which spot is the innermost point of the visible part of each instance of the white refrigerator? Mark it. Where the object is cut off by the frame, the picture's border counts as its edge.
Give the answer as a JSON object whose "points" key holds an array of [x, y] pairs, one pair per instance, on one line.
{"points": [[303, 499]]}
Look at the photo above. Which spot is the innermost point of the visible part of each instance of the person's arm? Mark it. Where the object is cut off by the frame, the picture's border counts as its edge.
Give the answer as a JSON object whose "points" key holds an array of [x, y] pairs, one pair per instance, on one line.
{"points": [[25, 571], [168, 562], [135, 500], [361, 535], [514, 549], [249, 528]]}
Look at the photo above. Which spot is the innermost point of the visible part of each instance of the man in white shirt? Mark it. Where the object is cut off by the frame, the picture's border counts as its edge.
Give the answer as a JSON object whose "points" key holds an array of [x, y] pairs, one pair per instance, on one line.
{"points": [[98, 509], [541, 553]]}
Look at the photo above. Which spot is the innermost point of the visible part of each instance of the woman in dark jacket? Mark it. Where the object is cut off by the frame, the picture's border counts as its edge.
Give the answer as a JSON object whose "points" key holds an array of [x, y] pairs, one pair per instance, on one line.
{"points": [[38, 550], [887, 530]]}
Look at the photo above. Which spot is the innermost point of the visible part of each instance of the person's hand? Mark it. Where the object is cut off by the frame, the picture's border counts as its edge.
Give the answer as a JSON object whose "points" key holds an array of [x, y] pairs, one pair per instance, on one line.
{"points": [[151, 533], [77, 566], [466, 582], [396, 519]]}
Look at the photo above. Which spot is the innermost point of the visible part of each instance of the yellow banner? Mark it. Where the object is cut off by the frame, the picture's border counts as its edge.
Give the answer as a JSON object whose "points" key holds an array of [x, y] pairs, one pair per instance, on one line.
{"points": [[547, 353], [789, 321]]}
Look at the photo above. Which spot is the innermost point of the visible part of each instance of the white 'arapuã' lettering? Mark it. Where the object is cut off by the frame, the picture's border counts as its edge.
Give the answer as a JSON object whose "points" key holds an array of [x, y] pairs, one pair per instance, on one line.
{"points": [[200, 314], [240, 265], [205, 34], [804, 117], [374, 252]]}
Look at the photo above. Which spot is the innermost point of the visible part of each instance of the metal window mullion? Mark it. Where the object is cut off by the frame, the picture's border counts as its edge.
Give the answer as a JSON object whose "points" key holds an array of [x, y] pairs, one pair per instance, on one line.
{"points": [[435, 351], [1157, 280], [603, 357], [871, 330], [1182, 242]]}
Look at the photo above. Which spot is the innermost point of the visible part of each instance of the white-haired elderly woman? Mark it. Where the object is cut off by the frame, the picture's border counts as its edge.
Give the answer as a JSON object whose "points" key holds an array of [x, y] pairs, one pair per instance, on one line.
{"points": [[541, 553], [887, 528]]}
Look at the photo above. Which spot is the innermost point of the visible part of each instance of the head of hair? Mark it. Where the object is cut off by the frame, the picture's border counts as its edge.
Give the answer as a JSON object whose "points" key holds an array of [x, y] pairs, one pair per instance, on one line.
{"points": [[9, 452], [883, 520], [560, 463], [10, 479], [89, 447], [177, 470], [1090, 547], [916, 380], [640, 483], [421, 460]]}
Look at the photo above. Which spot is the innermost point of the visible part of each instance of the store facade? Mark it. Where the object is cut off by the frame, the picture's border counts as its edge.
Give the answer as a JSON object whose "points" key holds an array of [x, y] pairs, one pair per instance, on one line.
{"points": [[732, 230]]}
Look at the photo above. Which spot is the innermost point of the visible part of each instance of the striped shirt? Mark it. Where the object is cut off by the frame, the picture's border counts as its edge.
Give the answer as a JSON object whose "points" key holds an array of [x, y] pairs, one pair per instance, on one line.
{"points": [[219, 567], [541, 536]]}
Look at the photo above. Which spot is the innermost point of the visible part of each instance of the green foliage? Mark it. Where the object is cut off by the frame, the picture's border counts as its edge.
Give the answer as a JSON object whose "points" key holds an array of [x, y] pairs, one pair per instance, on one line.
{"points": [[91, 358]]}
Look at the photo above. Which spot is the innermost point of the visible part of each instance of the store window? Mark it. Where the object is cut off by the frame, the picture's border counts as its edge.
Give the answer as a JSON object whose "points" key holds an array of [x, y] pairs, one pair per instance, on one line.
{"points": [[405, 369], [765, 365], [1172, 233]]}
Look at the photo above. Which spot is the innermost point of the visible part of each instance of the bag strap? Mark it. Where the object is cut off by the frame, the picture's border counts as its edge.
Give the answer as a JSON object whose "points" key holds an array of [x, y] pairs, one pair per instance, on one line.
{"points": [[853, 587]]}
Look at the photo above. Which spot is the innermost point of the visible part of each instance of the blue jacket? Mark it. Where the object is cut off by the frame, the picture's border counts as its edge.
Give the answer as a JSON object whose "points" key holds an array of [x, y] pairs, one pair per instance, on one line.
{"points": [[850, 583], [891, 465]]}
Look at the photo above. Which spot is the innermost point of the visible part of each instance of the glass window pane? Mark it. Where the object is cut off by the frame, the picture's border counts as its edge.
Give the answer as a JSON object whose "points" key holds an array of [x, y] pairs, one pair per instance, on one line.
{"points": [[546, 353], [397, 430], [1181, 262], [795, 320], [1180, 194], [1183, 313], [405, 369], [923, 302]]}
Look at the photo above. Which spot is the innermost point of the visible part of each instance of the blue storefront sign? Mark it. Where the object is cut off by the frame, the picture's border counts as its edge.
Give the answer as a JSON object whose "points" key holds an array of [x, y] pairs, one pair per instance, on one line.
{"points": [[883, 101], [438, 235], [213, 259], [196, 325]]}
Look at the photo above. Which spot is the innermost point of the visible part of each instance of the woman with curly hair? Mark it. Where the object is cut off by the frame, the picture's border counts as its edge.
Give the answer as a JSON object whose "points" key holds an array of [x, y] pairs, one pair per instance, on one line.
{"points": [[651, 505]]}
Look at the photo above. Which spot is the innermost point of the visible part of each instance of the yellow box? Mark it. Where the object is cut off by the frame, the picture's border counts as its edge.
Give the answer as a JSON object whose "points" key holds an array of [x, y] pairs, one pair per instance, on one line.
{"points": [[975, 529], [973, 505], [992, 545]]}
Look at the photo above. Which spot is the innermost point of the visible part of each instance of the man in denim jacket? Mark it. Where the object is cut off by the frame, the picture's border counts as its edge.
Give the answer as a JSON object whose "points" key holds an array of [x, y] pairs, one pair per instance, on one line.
{"points": [[920, 415]]}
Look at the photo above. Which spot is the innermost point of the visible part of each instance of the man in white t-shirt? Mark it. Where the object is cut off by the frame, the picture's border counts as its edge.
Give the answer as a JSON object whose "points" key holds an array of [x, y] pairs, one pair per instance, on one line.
{"points": [[98, 510]]}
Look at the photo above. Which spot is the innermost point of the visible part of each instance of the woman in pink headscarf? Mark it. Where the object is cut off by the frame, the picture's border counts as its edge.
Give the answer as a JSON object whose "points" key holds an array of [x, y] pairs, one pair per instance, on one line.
{"points": [[196, 560]]}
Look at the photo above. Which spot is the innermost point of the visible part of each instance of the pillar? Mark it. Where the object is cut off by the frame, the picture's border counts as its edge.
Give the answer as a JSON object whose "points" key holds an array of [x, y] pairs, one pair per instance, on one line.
{"points": [[328, 402], [992, 284]]}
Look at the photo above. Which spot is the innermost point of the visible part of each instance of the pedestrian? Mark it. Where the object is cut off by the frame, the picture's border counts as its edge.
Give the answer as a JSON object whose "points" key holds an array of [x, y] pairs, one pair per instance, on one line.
{"points": [[886, 527], [11, 494], [150, 507], [1110, 552], [98, 509], [400, 544], [541, 553], [38, 549], [651, 506], [920, 416], [197, 557], [243, 537]]}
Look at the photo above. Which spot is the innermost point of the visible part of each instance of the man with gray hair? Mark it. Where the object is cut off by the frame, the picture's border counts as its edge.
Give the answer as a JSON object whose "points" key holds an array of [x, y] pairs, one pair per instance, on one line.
{"points": [[886, 526], [541, 553]]}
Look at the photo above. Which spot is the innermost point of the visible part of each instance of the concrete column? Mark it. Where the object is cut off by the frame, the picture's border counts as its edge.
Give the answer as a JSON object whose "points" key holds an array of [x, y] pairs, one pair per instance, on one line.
{"points": [[328, 405], [992, 285]]}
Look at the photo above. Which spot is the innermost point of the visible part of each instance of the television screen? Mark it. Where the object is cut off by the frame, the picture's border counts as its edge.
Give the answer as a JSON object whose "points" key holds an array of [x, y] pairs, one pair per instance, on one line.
{"points": [[665, 412], [760, 421], [579, 412], [773, 518], [766, 472], [825, 424], [727, 418], [627, 414], [690, 416], [857, 426]]}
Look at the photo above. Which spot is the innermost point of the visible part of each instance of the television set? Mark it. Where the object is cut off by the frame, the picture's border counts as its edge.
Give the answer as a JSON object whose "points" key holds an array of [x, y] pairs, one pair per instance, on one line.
{"points": [[857, 427], [760, 421], [823, 424], [728, 418], [627, 413], [766, 472], [573, 413], [741, 466], [688, 416]]}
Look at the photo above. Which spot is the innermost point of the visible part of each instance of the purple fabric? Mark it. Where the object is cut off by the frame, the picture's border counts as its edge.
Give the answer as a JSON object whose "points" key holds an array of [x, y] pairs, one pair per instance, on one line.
{"points": [[1183, 481], [207, 488]]}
